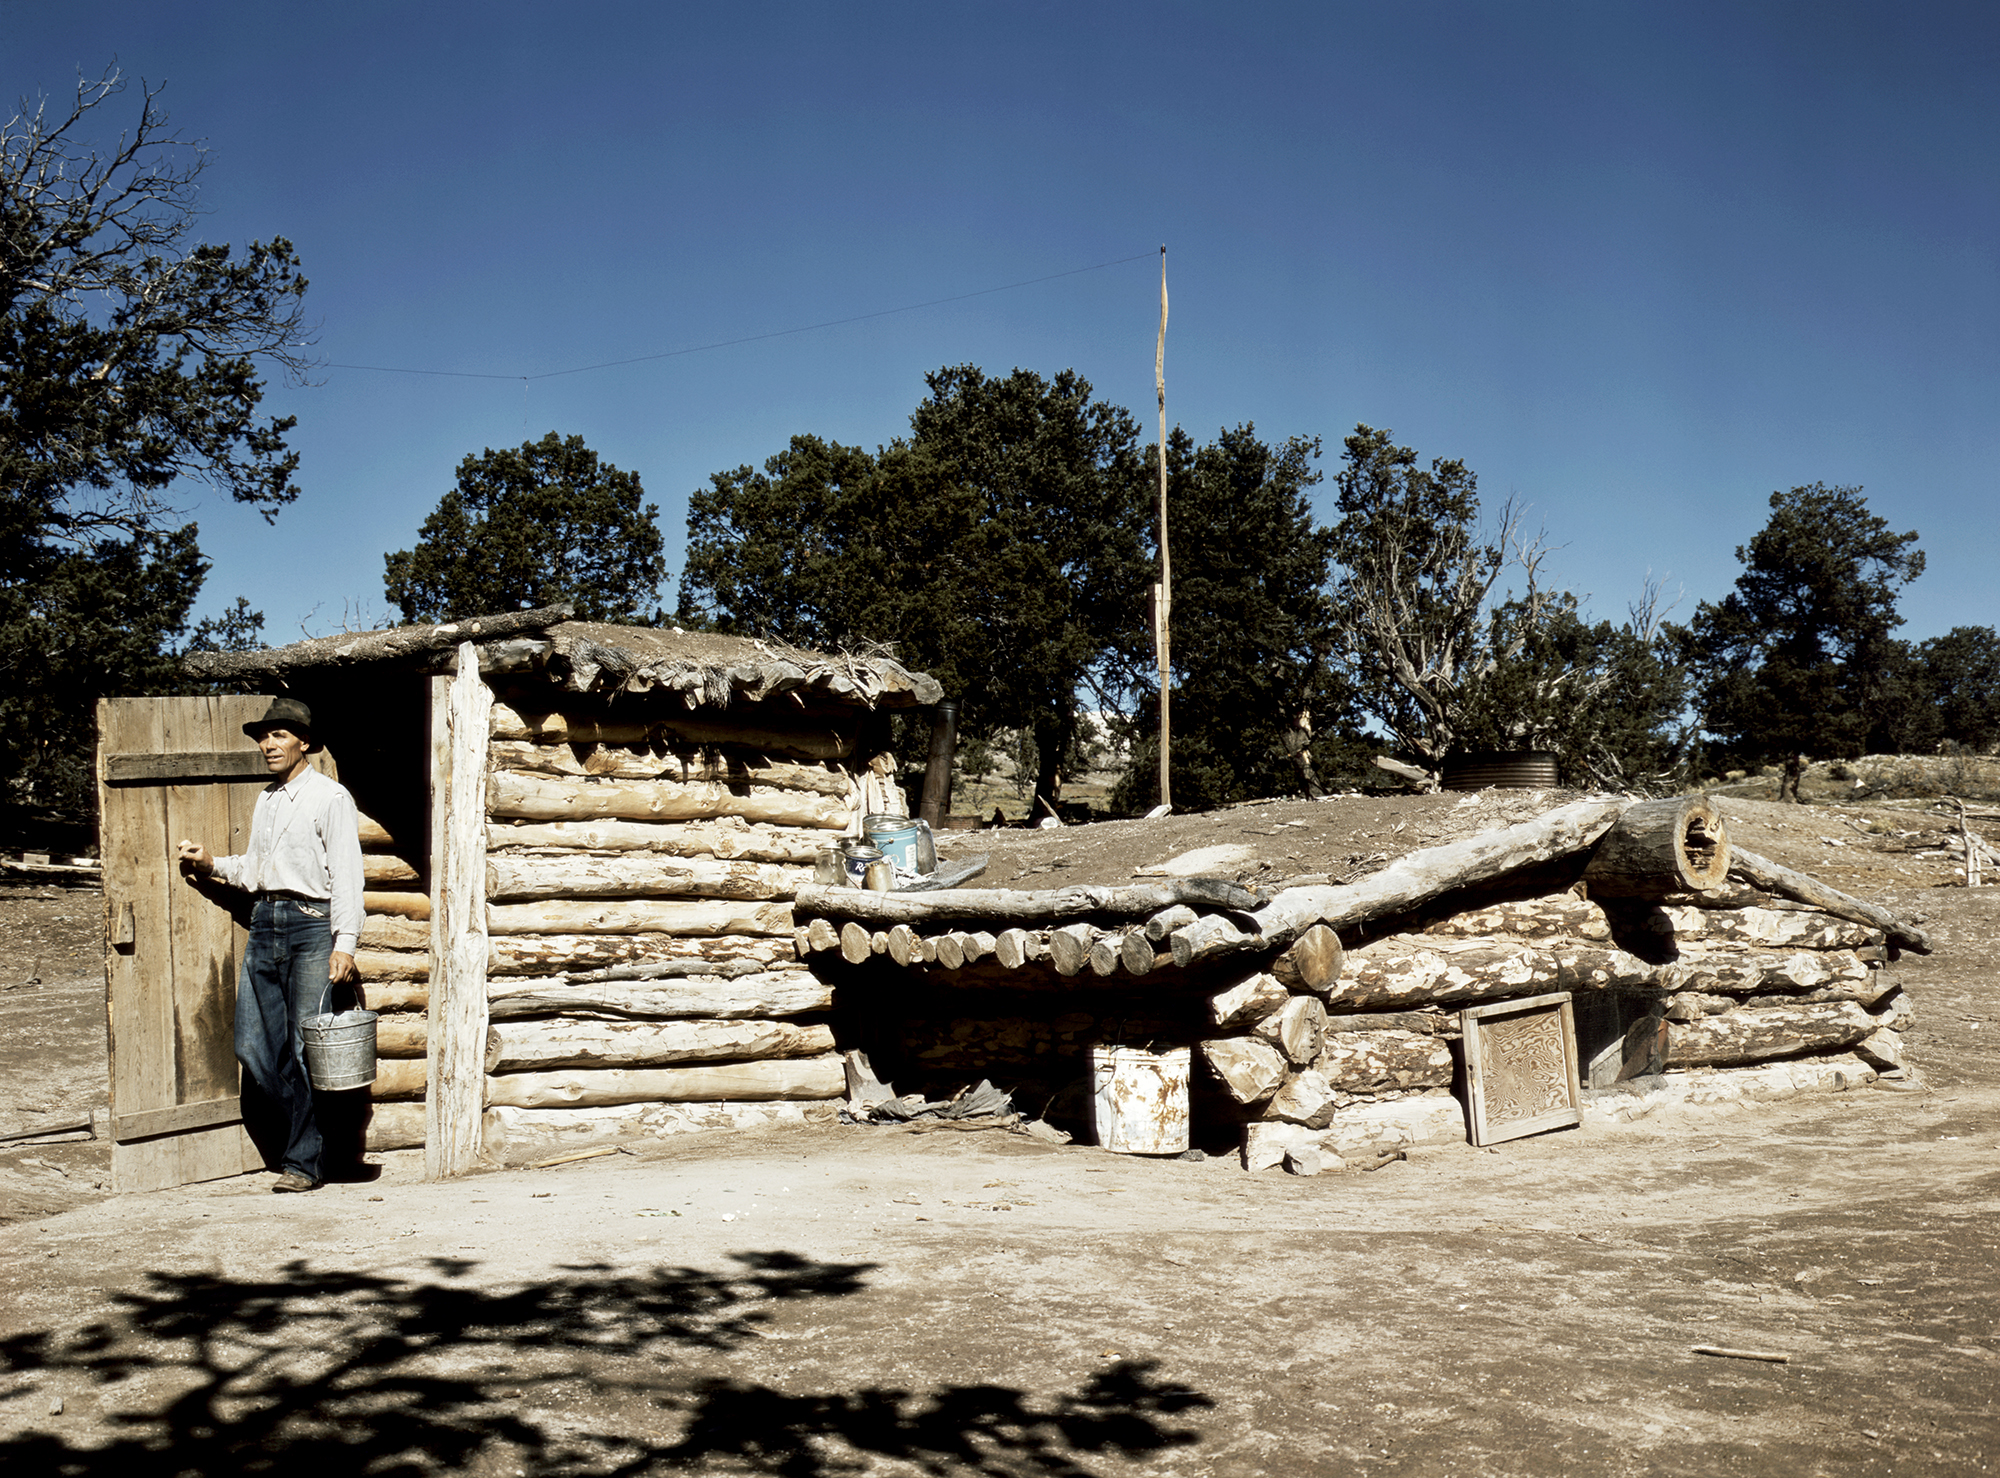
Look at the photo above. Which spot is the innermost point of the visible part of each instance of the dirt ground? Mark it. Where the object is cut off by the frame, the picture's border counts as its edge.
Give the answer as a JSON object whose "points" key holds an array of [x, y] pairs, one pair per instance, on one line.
{"points": [[828, 1301]]}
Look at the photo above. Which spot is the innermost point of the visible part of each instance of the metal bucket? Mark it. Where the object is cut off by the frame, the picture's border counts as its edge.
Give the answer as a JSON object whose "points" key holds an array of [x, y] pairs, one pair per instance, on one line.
{"points": [[340, 1050], [904, 841], [1139, 1099]]}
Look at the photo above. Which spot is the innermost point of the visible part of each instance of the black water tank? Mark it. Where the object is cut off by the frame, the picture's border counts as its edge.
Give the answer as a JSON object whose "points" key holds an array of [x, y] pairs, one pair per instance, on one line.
{"points": [[1510, 769]]}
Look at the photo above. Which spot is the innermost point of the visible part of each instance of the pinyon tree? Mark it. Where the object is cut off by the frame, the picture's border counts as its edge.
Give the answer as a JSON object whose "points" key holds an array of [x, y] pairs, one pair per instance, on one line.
{"points": [[132, 357], [1794, 661], [532, 526]]}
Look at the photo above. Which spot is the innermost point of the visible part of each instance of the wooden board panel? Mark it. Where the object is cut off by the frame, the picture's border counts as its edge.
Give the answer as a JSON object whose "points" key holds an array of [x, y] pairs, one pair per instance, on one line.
{"points": [[235, 765], [1520, 1067], [138, 1009], [205, 958], [174, 949]]}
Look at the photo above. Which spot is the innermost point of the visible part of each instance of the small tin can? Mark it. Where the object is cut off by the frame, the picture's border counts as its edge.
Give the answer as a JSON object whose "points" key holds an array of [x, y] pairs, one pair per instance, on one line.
{"points": [[855, 855], [880, 877]]}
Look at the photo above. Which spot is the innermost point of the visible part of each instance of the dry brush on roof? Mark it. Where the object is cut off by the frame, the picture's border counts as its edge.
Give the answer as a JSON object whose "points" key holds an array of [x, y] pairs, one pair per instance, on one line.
{"points": [[701, 668]]}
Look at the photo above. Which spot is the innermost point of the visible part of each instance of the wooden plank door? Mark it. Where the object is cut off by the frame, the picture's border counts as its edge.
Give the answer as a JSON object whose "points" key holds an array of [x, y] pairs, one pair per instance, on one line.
{"points": [[169, 768]]}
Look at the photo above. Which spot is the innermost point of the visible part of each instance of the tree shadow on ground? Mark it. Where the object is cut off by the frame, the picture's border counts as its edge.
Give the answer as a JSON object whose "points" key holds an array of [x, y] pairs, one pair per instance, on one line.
{"points": [[595, 1372]]}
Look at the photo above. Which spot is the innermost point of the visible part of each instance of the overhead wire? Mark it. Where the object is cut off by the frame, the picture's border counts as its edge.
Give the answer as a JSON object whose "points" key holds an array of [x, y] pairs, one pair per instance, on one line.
{"points": [[390, 369]]}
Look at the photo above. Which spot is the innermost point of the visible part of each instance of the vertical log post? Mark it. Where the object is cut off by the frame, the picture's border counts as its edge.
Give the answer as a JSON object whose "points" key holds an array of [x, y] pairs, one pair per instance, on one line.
{"points": [[455, 1048], [936, 804], [1163, 593]]}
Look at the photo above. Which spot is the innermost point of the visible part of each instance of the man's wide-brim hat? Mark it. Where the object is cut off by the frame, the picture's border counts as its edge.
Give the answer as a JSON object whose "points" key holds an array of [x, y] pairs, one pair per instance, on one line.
{"points": [[285, 713]]}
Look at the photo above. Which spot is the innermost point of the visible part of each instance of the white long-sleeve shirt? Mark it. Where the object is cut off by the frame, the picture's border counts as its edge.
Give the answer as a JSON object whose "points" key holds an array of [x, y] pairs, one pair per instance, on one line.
{"points": [[305, 838]]}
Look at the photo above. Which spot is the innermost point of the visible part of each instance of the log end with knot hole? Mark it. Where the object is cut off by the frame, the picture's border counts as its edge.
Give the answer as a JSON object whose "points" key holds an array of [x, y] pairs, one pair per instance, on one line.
{"points": [[1666, 846]]}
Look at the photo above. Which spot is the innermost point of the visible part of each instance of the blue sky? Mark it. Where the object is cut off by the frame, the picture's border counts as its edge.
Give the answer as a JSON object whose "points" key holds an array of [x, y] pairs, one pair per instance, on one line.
{"points": [[1637, 265]]}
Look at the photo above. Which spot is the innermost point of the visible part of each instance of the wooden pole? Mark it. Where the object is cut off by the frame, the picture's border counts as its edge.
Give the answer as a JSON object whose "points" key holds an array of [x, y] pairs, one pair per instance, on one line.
{"points": [[456, 1042], [1972, 849], [936, 803], [1163, 593]]}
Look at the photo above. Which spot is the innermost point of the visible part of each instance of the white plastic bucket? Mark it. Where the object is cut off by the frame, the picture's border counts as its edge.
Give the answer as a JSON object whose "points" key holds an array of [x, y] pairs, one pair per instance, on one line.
{"points": [[340, 1050], [1139, 1099]]}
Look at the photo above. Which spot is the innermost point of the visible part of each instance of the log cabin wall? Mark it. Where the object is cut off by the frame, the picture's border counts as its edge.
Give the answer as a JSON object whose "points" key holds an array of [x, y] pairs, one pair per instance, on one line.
{"points": [[641, 865], [603, 844]]}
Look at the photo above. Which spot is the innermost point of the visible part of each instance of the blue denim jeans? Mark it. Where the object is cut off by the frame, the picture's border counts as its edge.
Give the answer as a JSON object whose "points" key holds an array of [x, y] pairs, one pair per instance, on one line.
{"points": [[284, 981]]}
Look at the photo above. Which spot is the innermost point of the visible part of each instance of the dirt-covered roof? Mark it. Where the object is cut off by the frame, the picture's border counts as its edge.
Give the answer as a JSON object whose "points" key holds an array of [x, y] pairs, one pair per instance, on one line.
{"points": [[703, 668], [1291, 843]]}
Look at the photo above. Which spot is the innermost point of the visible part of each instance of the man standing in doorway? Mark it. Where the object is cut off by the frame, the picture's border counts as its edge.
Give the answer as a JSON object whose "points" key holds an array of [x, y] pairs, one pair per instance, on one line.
{"points": [[303, 868]]}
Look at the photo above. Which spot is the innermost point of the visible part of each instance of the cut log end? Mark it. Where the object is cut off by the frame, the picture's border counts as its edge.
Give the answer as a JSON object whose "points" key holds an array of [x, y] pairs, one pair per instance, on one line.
{"points": [[1674, 845]]}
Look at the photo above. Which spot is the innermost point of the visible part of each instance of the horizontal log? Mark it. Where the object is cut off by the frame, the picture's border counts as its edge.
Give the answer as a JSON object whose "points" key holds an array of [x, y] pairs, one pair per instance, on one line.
{"points": [[1741, 973], [1008, 906], [578, 954], [512, 878], [407, 1034], [398, 1079], [537, 798], [1761, 872], [383, 931], [767, 993], [1404, 884], [726, 969], [374, 836], [386, 870], [817, 742], [517, 1136], [391, 964], [1789, 928], [1692, 1005], [1408, 971], [1561, 916], [728, 837], [639, 916], [1431, 1023], [651, 762], [756, 1082], [1760, 1033], [396, 1126], [414, 906], [396, 995], [537, 1046], [1380, 1062], [1399, 972]]}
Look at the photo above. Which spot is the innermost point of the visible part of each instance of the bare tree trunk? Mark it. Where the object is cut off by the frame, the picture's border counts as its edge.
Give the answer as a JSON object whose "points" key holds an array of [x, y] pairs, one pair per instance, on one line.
{"points": [[1052, 740], [1788, 783]]}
